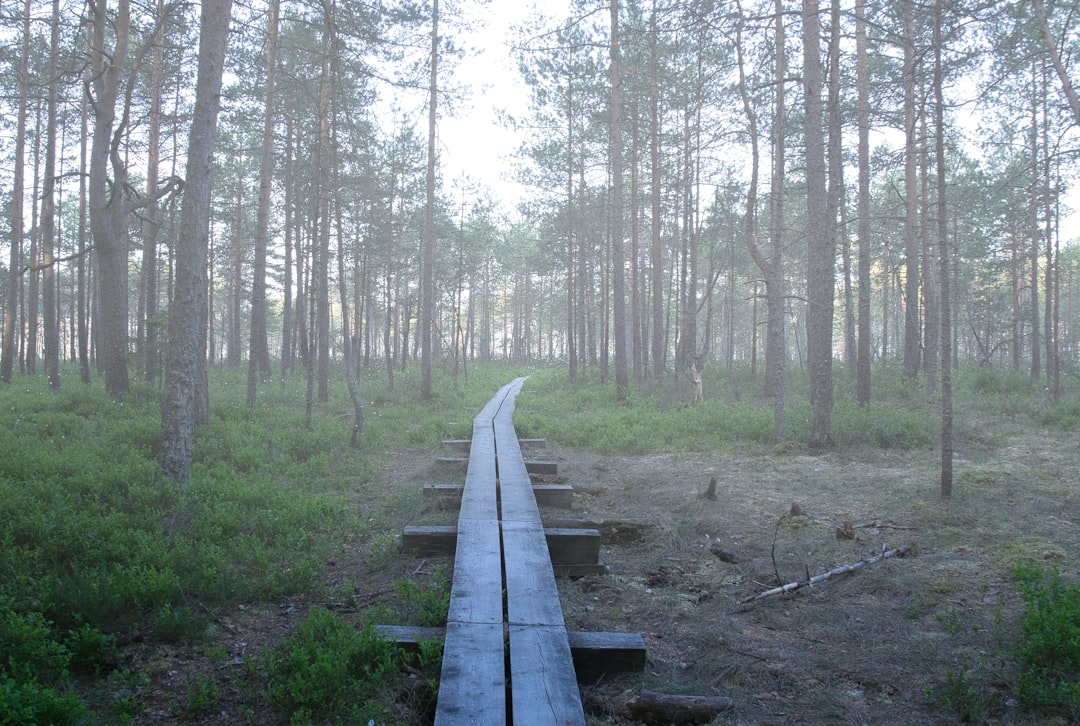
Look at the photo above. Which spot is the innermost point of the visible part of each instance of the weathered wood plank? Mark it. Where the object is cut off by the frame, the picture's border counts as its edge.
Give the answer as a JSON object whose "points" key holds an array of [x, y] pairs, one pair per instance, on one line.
{"points": [[476, 589], [559, 496], [472, 685], [566, 546], [546, 468], [599, 654], [532, 597], [573, 546], [595, 654], [543, 683]]}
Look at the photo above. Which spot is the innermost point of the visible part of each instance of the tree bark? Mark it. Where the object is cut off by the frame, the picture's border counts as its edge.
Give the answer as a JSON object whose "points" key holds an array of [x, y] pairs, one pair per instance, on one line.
{"points": [[656, 249], [820, 243], [185, 369], [107, 200], [943, 261], [427, 257], [911, 236], [147, 324], [258, 347], [618, 250], [862, 71], [48, 210], [11, 307]]}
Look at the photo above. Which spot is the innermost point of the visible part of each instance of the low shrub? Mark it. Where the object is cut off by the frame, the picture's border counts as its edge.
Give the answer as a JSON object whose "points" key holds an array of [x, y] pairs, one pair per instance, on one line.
{"points": [[332, 671], [1050, 650]]}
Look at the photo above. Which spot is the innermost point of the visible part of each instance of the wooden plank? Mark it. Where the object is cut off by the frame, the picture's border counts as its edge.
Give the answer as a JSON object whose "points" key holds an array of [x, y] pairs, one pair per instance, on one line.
{"points": [[599, 654], [566, 546], [595, 654], [479, 499], [580, 569], [546, 468], [573, 546], [532, 597], [476, 589], [452, 462], [429, 540], [473, 680], [472, 685], [543, 683], [461, 446], [560, 496]]}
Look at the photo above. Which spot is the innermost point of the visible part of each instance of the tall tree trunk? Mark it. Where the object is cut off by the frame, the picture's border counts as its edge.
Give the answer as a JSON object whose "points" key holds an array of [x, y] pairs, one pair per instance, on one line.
{"points": [[427, 257], [83, 333], [11, 307], [1035, 246], [618, 250], [320, 259], [233, 304], [287, 312], [862, 70], [770, 267], [107, 200], [776, 317], [911, 194], [656, 248], [820, 243], [258, 347], [48, 210], [185, 370], [147, 324], [943, 259], [572, 340]]}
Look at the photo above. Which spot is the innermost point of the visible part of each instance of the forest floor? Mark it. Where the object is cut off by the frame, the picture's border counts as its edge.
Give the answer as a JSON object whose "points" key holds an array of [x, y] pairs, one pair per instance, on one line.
{"points": [[919, 639]]}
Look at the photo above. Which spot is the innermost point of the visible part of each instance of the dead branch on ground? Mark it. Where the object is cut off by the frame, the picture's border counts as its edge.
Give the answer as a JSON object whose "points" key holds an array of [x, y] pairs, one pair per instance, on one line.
{"points": [[843, 570]]}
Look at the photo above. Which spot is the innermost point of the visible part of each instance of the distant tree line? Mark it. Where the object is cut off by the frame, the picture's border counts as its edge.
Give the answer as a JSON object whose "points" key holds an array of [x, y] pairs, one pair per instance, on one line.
{"points": [[766, 182]]}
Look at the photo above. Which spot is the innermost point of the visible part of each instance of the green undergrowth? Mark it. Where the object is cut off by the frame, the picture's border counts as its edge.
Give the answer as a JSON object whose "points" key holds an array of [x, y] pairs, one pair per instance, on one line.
{"points": [[1037, 664], [98, 550], [336, 671], [655, 417]]}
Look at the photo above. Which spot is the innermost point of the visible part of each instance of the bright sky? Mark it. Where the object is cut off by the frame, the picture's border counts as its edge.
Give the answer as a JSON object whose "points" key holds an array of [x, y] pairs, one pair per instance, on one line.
{"points": [[472, 141]]}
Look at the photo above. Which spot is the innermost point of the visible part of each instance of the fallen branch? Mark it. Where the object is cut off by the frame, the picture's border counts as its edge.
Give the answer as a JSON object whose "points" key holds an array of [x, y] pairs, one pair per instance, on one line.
{"points": [[811, 581]]}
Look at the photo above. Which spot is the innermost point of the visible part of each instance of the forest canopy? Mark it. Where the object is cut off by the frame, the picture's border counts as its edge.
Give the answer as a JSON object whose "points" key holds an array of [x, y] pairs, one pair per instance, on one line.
{"points": [[766, 182]]}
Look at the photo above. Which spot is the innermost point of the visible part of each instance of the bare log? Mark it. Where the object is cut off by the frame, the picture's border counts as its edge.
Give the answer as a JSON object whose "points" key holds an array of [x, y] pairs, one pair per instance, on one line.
{"points": [[611, 530], [843, 570], [666, 708]]}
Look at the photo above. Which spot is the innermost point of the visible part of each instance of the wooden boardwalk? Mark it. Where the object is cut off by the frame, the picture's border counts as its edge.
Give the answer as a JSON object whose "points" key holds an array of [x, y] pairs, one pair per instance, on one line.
{"points": [[494, 543]]}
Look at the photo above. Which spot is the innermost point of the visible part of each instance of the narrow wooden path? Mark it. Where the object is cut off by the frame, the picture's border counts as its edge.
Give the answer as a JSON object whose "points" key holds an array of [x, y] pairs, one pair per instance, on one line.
{"points": [[494, 542]]}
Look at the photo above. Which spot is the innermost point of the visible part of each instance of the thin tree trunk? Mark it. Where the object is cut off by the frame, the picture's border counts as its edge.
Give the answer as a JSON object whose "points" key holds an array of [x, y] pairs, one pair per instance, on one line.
{"points": [[862, 69], [258, 348], [427, 257], [943, 259], [185, 370], [320, 259], [11, 307], [147, 325], [48, 210], [820, 242], [656, 249], [618, 250], [911, 238]]}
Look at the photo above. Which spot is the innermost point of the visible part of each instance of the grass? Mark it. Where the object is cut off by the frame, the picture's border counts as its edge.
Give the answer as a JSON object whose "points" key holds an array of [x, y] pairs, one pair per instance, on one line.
{"points": [[97, 550]]}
